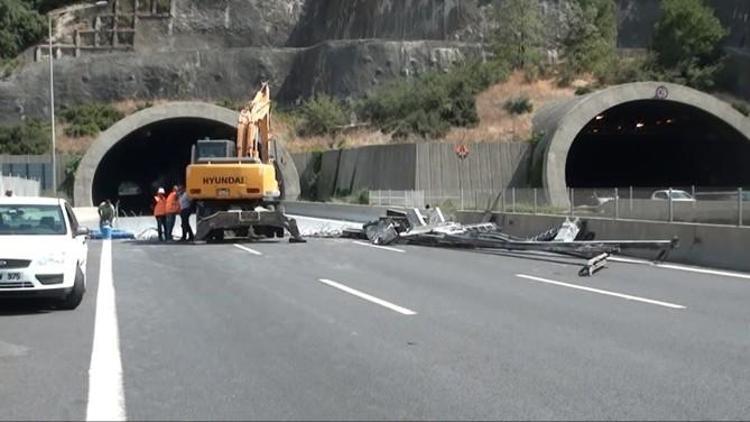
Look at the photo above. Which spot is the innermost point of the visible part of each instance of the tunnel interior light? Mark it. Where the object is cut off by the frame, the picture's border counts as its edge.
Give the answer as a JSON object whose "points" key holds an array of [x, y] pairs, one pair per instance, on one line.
{"points": [[640, 125], [600, 117]]}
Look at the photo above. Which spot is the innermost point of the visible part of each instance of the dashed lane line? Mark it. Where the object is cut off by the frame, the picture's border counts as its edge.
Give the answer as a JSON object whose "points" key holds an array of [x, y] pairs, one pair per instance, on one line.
{"points": [[249, 250], [385, 248], [367, 297], [602, 292]]}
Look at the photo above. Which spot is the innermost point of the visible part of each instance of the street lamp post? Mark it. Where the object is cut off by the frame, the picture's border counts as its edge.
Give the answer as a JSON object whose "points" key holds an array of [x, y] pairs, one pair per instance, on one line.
{"points": [[52, 87], [52, 105]]}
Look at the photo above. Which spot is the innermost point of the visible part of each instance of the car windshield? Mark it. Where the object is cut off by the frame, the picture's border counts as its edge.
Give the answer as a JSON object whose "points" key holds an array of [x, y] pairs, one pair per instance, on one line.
{"points": [[31, 220]]}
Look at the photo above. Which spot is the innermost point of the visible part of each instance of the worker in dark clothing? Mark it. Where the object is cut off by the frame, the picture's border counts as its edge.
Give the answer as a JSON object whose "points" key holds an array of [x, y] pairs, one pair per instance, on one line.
{"points": [[185, 210], [106, 213]]}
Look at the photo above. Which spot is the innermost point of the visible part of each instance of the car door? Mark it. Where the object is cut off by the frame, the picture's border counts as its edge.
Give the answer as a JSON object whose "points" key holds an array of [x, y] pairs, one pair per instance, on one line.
{"points": [[79, 242]]}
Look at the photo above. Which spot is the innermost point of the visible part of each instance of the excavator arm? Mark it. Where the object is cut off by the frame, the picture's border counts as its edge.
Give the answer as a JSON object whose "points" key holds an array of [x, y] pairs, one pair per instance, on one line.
{"points": [[254, 126]]}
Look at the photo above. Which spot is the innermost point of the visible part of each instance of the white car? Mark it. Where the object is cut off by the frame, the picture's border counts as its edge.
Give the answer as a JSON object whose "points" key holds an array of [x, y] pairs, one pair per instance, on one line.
{"points": [[42, 251], [677, 196]]}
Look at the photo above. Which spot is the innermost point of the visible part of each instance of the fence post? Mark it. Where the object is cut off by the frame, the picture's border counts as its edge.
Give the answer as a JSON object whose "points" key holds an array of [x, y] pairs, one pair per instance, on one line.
{"points": [[617, 204], [670, 205], [739, 207], [513, 198], [631, 202], [535, 202], [572, 201]]}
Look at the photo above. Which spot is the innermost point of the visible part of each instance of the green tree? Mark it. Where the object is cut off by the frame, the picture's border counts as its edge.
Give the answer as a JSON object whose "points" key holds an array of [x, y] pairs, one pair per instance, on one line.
{"points": [[321, 115], [519, 37], [20, 27], [89, 119], [428, 106], [30, 137], [591, 42], [686, 43]]}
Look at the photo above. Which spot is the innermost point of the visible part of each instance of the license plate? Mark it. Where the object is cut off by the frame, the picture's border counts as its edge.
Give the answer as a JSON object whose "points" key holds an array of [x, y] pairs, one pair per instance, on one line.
{"points": [[222, 193], [10, 276]]}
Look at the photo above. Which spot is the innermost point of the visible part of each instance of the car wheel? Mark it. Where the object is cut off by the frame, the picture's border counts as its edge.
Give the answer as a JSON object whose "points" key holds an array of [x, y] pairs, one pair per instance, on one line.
{"points": [[74, 298]]}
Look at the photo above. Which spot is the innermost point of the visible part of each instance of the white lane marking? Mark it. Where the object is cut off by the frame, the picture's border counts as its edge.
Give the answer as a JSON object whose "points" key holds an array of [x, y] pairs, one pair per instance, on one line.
{"points": [[682, 268], [106, 399], [387, 248], [246, 249], [369, 298], [323, 220], [603, 292]]}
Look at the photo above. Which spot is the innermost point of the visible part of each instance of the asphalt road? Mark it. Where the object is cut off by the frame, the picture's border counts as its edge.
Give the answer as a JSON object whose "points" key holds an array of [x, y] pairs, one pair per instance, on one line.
{"points": [[223, 332]]}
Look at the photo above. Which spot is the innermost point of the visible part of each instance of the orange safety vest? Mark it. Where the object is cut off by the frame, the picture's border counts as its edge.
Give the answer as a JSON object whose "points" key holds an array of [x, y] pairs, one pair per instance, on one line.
{"points": [[160, 206], [173, 203]]}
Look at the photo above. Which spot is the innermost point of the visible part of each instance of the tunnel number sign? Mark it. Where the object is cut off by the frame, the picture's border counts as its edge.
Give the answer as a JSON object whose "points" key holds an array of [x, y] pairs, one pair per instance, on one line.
{"points": [[662, 92], [462, 151]]}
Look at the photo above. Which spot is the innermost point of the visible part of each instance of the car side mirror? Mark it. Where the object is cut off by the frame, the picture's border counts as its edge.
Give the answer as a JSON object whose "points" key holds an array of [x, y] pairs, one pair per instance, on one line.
{"points": [[83, 231]]}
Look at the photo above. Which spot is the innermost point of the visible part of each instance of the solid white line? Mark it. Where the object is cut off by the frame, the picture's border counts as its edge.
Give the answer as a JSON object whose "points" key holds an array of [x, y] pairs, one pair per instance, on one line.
{"points": [[682, 268], [106, 399], [603, 292], [387, 248], [246, 249], [367, 297]]}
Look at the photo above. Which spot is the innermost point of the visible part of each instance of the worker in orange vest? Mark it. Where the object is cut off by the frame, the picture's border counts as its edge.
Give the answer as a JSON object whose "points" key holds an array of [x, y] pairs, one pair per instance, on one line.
{"points": [[173, 209], [160, 212]]}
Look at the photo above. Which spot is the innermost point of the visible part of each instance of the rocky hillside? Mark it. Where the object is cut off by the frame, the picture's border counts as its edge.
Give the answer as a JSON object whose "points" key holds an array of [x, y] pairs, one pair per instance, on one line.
{"points": [[221, 49]]}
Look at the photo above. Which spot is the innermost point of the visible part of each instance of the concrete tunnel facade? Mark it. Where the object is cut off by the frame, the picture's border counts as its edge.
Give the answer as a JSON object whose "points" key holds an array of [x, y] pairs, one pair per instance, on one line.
{"points": [[152, 147], [694, 139]]}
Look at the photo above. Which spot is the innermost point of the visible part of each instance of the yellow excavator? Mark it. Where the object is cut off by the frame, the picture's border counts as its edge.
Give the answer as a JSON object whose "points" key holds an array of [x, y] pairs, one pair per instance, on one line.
{"points": [[237, 187]]}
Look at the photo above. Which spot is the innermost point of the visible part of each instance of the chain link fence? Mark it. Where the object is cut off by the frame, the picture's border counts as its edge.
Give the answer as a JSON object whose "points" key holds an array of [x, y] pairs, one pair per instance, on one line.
{"points": [[688, 204]]}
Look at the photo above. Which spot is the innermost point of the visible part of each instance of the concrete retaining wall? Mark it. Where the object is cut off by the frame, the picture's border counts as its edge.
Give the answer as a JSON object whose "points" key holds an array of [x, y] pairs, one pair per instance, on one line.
{"points": [[700, 244], [488, 167], [431, 167], [352, 170]]}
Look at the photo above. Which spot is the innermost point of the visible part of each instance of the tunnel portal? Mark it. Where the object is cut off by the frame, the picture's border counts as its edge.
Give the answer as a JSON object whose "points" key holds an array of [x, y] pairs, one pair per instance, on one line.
{"points": [[656, 143], [151, 148], [152, 156]]}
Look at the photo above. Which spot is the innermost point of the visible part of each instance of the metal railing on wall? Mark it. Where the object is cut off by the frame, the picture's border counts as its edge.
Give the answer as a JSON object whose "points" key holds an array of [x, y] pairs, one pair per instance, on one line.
{"points": [[689, 204]]}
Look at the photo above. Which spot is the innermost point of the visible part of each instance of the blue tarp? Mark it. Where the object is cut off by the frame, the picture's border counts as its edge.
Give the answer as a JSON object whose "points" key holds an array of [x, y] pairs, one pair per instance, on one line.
{"points": [[116, 234]]}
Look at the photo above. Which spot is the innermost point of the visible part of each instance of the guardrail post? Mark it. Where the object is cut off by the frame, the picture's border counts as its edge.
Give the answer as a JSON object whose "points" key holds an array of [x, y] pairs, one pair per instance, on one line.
{"points": [[670, 205], [617, 204], [572, 201], [535, 202], [739, 207], [513, 198]]}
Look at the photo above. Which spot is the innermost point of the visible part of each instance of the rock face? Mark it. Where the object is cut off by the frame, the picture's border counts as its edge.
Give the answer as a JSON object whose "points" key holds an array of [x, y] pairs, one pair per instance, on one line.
{"points": [[221, 49]]}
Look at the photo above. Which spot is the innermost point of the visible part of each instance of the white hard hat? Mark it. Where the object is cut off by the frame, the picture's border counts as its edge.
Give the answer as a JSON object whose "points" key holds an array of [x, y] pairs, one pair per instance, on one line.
{"points": [[161, 190]]}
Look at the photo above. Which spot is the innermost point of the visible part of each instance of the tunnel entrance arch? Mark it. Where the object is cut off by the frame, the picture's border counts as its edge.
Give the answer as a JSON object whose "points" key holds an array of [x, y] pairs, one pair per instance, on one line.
{"points": [[640, 134], [151, 148]]}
